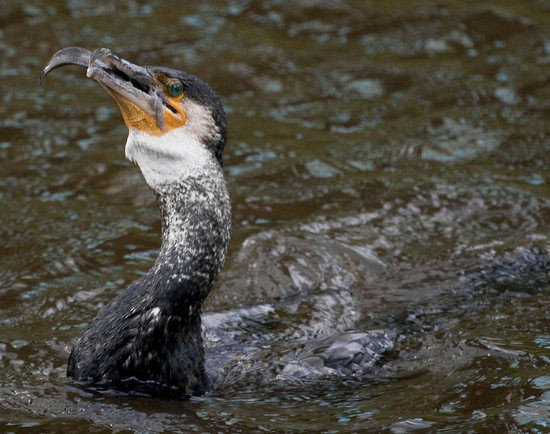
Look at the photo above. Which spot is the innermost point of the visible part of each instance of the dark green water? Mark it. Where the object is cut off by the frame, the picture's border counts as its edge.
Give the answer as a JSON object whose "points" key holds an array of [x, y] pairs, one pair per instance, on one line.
{"points": [[394, 149]]}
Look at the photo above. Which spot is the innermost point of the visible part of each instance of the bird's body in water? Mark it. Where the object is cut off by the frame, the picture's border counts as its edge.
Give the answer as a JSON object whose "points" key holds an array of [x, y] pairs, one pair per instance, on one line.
{"points": [[152, 330], [150, 334]]}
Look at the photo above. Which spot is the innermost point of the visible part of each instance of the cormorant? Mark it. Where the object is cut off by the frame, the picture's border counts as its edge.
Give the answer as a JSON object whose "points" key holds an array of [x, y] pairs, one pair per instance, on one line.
{"points": [[151, 332], [177, 132]]}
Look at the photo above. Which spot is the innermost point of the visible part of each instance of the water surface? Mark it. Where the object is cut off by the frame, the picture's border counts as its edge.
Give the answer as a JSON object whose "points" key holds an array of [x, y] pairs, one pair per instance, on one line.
{"points": [[382, 157]]}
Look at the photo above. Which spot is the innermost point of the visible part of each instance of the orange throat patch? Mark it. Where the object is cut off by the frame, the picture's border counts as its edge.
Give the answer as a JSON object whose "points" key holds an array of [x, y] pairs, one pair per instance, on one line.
{"points": [[135, 117]]}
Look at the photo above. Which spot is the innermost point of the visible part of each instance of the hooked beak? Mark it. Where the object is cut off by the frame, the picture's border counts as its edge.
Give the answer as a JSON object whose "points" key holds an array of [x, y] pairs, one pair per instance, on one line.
{"points": [[141, 100]]}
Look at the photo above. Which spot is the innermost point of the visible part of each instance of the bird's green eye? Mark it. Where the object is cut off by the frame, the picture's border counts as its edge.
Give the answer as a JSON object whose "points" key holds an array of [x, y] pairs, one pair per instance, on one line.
{"points": [[175, 89]]}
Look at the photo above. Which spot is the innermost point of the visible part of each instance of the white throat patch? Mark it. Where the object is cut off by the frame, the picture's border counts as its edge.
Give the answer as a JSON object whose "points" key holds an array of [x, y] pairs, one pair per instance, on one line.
{"points": [[177, 154]]}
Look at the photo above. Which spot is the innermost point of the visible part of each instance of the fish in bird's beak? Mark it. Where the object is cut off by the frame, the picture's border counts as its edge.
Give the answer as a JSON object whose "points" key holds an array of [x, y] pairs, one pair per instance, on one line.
{"points": [[149, 102]]}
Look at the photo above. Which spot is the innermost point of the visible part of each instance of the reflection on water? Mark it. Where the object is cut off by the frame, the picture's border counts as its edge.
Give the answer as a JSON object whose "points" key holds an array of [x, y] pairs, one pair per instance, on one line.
{"points": [[388, 166]]}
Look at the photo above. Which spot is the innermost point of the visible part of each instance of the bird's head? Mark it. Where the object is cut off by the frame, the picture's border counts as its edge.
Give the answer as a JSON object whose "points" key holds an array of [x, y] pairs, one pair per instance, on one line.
{"points": [[176, 123]]}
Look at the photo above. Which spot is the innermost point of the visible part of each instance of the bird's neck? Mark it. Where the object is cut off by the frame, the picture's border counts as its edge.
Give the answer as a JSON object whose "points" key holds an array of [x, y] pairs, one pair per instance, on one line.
{"points": [[196, 222]]}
